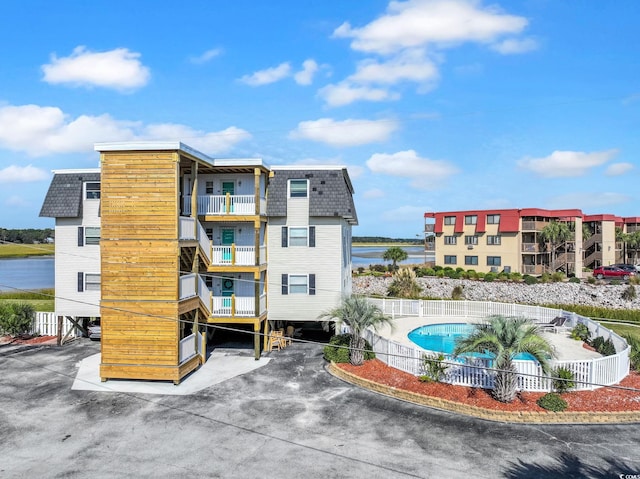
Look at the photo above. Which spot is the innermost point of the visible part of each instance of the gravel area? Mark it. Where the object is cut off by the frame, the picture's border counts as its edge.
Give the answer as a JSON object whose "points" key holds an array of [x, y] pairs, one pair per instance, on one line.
{"points": [[605, 295]]}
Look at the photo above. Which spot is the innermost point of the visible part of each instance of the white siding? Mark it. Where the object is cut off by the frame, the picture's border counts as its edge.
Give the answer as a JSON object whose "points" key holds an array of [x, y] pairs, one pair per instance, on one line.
{"points": [[325, 260], [72, 259]]}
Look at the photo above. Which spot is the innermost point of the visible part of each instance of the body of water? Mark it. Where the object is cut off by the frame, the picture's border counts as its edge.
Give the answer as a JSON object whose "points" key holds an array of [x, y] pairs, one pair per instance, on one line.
{"points": [[35, 272], [368, 255]]}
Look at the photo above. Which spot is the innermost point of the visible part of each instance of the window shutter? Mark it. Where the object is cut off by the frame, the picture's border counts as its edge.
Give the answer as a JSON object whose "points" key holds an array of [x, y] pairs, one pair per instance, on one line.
{"points": [[285, 284], [312, 284], [80, 282], [312, 236], [285, 236], [80, 236]]}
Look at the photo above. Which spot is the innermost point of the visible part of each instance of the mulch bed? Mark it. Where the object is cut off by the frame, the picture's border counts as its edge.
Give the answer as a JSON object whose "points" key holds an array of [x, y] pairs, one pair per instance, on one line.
{"points": [[603, 399], [28, 339]]}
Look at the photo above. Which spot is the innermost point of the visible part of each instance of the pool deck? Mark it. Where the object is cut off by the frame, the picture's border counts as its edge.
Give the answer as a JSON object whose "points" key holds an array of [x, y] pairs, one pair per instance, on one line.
{"points": [[566, 348]]}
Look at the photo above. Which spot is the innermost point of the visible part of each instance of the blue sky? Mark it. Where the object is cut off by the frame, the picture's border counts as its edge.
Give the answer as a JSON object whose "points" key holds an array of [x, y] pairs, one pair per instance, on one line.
{"points": [[434, 105]]}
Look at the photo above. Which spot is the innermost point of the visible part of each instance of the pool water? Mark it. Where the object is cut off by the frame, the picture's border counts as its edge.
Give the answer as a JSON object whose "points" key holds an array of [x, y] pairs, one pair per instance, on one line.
{"points": [[442, 338]]}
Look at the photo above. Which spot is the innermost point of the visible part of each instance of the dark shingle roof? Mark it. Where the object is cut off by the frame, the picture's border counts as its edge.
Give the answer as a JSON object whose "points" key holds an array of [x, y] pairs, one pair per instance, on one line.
{"points": [[64, 198], [330, 192]]}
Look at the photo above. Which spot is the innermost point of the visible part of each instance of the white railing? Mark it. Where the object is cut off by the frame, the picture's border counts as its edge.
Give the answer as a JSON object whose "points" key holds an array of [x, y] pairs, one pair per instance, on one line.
{"points": [[186, 229], [187, 348], [204, 242], [204, 293], [46, 324], [225, 255], [263, 254], [187, 286], [471, 371], [235, 306], [263, 206], [201, 344], [218, 205], [263, 303]]}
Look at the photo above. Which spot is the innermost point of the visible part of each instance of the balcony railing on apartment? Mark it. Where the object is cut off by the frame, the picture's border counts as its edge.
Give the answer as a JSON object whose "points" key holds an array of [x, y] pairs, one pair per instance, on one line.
{"points": [[191, 229], [530, 247], [225, 205], [234, 255], [533, 225], [532, 269], [429, 228]]}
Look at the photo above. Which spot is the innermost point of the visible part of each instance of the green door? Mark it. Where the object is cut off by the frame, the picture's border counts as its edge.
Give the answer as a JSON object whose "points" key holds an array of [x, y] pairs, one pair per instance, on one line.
{"points": [[229, 187], [227, 292], [228, 238]]}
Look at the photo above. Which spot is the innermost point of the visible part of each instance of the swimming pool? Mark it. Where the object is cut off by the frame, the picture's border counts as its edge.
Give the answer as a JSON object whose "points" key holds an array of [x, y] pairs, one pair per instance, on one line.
{"points": [[442, 338]]}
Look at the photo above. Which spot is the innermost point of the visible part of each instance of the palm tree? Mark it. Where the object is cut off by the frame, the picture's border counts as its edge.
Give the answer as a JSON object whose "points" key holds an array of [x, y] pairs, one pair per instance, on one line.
{"points": [[556, 233], [395, 254], [358, 313], [404, 284], [505, 337]]}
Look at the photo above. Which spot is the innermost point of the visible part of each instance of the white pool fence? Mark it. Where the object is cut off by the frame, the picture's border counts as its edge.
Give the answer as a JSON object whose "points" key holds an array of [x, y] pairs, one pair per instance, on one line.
{"points": [[476, 372]]}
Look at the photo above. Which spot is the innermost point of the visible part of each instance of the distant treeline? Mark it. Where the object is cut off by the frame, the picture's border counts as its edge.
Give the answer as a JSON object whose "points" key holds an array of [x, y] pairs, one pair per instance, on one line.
{"points": [[28, 236], [382, 239]]}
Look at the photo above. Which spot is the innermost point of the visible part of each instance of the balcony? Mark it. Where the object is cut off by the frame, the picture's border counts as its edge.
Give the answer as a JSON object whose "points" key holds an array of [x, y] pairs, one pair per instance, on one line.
{"points": [[240, 306], [234, 255], [530, 248], [225, 205], [533, 225], [532, 269], [429, 228]]}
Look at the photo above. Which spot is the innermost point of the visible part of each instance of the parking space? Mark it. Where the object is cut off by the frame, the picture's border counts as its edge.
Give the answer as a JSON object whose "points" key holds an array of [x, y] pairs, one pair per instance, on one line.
{"points": [[289, 418]]}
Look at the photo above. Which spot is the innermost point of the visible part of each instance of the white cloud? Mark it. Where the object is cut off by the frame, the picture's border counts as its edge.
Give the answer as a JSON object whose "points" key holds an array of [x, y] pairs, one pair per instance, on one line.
{"points": [[119, 69], [269, 75], [566, 163], [344, 133], [305, 76], [345, 93], [22, 174], [593, 200], [617, 169], [206, 56], [416, 23], [40, 131], [424, 173], [373, 194], [411, 65], [512, 46], [16, 201], [403, 214]]}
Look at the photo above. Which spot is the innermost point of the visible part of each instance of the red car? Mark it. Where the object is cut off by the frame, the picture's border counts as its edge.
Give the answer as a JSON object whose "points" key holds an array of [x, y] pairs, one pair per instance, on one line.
{"points": [[612, 272]]}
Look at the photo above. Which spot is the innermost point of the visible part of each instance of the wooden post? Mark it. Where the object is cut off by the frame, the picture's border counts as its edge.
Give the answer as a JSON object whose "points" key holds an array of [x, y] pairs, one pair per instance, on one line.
{"points": [[256, 339], [59, 340]]}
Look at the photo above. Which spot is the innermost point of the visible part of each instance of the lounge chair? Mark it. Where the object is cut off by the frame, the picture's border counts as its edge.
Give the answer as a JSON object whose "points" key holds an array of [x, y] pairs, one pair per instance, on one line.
{"points": [[276, 340], [555, 324]]}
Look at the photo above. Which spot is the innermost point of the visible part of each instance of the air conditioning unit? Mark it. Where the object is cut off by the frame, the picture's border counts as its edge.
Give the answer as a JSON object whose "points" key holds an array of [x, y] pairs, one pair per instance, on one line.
{"points": [[507, 269], [470, 246], [494, 269]]}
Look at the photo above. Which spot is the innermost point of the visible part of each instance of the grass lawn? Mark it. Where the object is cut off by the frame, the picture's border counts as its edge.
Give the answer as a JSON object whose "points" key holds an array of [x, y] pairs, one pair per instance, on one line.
{"points": [[623, 329], [24, 250], [41, 302], [41, 305]]}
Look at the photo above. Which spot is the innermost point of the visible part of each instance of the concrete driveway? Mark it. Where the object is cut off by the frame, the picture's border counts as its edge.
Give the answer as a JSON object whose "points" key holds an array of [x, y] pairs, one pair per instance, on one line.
{"points": [[287, 419]]}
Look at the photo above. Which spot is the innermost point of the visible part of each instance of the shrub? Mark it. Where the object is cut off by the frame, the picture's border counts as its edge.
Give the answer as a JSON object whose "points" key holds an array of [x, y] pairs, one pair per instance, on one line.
{"points": [[471, 274], [440, 273], [634, 354], [564, 380], [449, 273], [404, 285], [380, 268], [459, 270], [490, 277], [434, 368], [634, 279], [615, 282], [360, 269], [574, 280], [502, 276], [515, 276], [545, 278], [457, 292], [629, 293], [580, 332], [429, 271], [557, 277], [552, 402], [630, 315], [338, 349], [591, 280], [603, 346], [437, 268], [528, 279], [480, 275], [16, 318]]}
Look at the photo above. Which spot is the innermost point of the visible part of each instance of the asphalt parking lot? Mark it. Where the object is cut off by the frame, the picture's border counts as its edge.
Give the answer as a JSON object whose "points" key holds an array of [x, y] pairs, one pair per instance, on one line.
{"points": [[288, 419]]}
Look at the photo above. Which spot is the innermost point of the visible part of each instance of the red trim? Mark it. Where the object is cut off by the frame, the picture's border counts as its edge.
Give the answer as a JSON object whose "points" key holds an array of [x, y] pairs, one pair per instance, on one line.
{"points": [[481, 225], [509, 222], [439, 223], [459, 227]]}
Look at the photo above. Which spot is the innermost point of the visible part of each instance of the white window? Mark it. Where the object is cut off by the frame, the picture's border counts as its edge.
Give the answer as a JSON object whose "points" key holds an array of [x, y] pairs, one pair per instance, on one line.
{"points": [[494, 239], [449, 240], [208, 188], [470, 220], [92, 282], [470, 240], [493, 219], [298, 283], [92, 191], [449, 220], [449, 259], [92, 235], [298, 188], [298, 236], [494, 260]]}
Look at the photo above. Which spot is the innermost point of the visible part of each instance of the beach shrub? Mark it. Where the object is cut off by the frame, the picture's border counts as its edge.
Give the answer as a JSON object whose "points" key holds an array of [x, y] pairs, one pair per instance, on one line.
{"points": [[634, 354], [490, 277], [360, 269], [545, 278], [629, 315], [591, 280], [603, 346], [440, 273], [515, 276], [563, 380], [552, 402], [16, 318], [434, 368], [480, 275], [471, 274], [557, 277], [437, 268], [404, 285], [629, 293], [338, 349], [528, 279], [574, 280], [429, 271], [457, 292], [580, 332], [634, 280]]}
